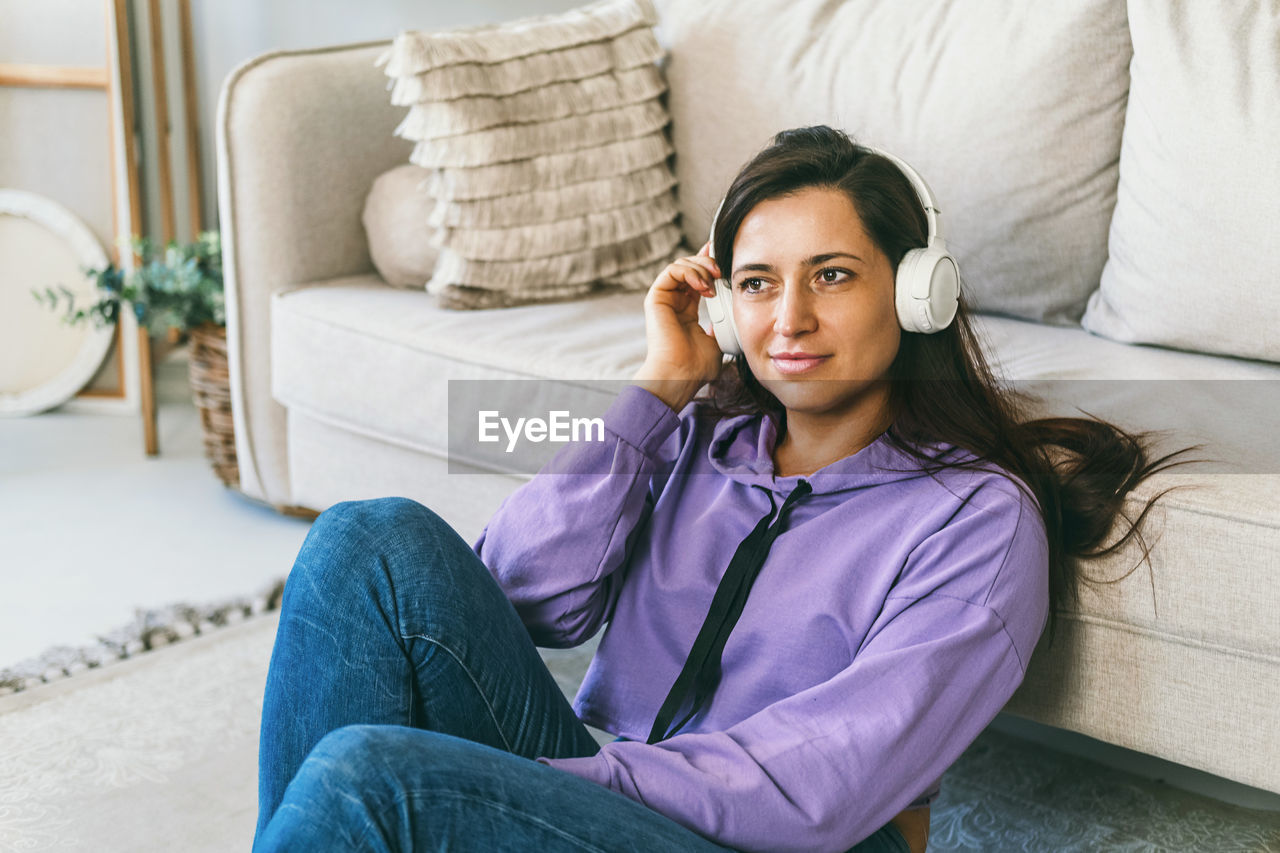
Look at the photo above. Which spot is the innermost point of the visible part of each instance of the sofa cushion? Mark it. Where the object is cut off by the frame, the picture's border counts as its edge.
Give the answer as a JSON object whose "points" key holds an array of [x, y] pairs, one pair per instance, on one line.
{"points": [[1011, 111], [377, 361], [561, 94], [1194, 258], [394, 211]]}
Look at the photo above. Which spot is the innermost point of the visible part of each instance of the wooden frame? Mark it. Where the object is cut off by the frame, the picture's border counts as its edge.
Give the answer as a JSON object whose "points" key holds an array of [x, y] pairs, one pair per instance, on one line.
{"points": [[54, 76], [195, 197], [155, 21], [116, 79]]}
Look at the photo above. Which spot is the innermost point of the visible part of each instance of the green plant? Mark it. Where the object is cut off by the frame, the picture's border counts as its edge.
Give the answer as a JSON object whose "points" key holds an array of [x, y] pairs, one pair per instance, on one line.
{"points": [[179, 285]]}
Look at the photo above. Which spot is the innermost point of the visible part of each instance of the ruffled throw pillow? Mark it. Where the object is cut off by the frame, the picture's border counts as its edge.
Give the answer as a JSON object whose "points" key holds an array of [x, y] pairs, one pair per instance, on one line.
{"points": [[546, 154]]}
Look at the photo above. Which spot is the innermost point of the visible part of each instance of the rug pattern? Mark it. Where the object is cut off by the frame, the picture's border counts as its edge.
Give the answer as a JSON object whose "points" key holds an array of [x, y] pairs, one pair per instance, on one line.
{"points": [[90, 762]]}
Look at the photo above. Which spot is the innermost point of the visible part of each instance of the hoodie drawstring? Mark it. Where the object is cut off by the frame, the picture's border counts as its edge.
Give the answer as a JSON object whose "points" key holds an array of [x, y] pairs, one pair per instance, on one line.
{"points": [[701, 670]]}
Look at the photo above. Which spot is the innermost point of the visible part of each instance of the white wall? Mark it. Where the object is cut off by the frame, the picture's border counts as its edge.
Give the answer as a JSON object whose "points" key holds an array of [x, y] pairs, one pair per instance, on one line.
{"points": [[228, 32]]}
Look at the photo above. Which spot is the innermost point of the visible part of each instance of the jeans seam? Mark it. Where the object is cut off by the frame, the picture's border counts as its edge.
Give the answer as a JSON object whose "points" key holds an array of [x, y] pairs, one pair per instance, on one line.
{"points": [[439, 793], [487, 704]]}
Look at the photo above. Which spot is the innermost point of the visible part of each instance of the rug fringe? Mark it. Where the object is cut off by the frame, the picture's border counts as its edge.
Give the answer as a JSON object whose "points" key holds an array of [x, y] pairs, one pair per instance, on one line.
{"points": [[150, 629]]}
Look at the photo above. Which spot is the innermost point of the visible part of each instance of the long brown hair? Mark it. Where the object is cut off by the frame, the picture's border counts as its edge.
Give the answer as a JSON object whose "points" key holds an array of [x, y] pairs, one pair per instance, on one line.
{"points": [[942, 390]]}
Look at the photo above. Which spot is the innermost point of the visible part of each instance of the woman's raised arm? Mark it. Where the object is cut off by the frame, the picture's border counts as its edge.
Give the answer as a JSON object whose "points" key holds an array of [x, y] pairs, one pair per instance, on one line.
{"points": [[555, 545]]}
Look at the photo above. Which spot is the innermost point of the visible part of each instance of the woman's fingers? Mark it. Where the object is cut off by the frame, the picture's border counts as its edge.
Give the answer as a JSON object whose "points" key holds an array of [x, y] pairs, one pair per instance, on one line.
{"points": [[678, 281], [713, 270], [704, 257], [698, 276], [675, 337]]}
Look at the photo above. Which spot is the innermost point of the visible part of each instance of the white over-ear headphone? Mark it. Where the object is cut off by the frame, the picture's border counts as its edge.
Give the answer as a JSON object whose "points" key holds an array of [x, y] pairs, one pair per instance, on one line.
{"points": [[926, 289]]}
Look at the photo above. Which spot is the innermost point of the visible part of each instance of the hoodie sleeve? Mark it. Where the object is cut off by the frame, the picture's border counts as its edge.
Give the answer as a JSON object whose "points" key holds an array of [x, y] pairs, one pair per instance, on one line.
{"points": [[826, 767], [556, 543]]}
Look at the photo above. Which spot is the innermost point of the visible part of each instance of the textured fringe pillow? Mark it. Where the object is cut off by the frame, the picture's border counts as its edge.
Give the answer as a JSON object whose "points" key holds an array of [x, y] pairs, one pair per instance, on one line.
{"points": [[544, 146]]}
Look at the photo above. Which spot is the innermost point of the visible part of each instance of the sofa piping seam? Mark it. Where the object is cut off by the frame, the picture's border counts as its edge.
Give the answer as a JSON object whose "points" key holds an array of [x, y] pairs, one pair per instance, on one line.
{"points": [[1259, 657]]}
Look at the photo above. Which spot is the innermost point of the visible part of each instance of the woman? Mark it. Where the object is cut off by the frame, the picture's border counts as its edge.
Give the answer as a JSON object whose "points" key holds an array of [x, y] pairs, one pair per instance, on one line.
{"points": [[905, 531]]}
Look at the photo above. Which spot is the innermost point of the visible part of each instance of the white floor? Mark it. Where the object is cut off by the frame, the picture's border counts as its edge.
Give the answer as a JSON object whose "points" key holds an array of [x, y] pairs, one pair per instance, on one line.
{"points": [[91, 527]]}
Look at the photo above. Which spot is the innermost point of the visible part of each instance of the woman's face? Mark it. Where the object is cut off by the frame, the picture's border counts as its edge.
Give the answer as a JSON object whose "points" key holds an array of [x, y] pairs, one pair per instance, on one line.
{"points": [[813, 302]]}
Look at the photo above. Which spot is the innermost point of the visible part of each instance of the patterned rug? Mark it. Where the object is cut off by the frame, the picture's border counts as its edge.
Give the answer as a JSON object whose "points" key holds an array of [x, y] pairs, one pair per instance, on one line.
{"points": [[1010, 794], [164, 743]]}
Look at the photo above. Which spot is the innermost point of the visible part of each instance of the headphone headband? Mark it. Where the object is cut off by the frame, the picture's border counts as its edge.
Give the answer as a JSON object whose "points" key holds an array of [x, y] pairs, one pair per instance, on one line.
{"points": [[923, 193], [922, 190]]}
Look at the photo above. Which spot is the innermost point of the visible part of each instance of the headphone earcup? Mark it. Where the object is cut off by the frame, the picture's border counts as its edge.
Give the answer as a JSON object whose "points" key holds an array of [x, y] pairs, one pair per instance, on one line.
{"points": [[720, 309], [720, 306], [927, 290]]}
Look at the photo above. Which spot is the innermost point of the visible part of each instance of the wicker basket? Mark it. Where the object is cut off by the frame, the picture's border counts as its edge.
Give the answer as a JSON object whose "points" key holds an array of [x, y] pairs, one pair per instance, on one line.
{"points": [[211, 390]]}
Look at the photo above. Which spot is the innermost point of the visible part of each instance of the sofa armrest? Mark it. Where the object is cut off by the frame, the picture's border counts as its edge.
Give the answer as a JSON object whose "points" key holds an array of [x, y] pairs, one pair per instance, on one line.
{"points": [[301, 135]]}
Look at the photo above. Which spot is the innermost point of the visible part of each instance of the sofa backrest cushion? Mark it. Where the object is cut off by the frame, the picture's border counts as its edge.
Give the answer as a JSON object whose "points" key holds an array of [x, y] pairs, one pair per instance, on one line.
{"points": [[1012, 111], [1194, 258]]}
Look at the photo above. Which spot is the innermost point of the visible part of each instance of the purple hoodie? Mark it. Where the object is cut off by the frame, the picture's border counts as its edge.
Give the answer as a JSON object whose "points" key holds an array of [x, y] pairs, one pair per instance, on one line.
{"points": [[890, 623]]}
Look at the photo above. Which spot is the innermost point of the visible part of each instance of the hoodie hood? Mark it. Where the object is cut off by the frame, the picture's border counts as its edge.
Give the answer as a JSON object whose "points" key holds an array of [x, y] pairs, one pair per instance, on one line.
{"points": [[742, 449]]}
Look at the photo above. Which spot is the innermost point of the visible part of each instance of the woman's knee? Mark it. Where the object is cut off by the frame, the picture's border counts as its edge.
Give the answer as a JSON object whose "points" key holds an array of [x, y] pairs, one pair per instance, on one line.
{"points": [[351, 754], [341, 760], [377, 517], [337, 792], [378, 761], [347, 536], [393, 544]]}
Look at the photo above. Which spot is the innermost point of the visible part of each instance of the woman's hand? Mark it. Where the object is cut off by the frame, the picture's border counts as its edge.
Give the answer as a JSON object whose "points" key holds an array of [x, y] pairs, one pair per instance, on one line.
{"points": [[682, 356]]}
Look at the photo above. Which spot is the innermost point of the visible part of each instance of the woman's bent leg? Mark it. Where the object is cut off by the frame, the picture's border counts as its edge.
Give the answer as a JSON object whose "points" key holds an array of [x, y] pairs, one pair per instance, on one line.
{"points": [[388, 788], [389, 617]]}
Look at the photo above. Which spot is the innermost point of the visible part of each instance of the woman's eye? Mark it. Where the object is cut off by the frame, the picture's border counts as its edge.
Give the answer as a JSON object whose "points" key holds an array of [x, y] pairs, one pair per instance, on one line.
{"points": [[829, 271], [750, 285]]}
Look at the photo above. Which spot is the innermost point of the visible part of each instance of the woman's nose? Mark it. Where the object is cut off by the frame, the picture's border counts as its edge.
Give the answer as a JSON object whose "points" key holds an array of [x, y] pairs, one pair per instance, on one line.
{"points": [[794, 314]]}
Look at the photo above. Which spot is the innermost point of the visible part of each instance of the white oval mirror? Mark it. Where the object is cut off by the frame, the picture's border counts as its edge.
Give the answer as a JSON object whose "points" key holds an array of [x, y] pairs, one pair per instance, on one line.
{"points": [[43, 361]]}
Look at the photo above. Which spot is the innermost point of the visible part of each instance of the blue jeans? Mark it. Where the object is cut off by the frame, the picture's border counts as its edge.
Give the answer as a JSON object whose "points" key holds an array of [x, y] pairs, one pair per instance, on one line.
{"points": [[405, 702]]}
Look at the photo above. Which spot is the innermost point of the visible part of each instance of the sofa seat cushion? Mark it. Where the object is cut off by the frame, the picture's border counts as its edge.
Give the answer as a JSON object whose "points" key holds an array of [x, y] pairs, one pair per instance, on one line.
{"points": [[1215, 542], [376, 360], [1228, 404]]}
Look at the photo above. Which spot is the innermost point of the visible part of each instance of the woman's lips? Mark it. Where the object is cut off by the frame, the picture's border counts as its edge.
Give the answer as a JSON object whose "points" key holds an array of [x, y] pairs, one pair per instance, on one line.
{"points": [[795, 366]]}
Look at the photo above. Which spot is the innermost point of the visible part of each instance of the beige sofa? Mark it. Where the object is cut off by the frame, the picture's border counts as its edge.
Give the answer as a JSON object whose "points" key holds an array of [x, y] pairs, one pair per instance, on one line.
{"points": [[1017, 118]]}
